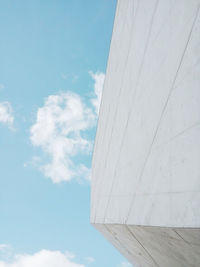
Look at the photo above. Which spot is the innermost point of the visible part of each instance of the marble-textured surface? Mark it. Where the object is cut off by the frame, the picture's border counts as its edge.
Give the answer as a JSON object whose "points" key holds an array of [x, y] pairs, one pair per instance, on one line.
{"points": [[146, 160]]}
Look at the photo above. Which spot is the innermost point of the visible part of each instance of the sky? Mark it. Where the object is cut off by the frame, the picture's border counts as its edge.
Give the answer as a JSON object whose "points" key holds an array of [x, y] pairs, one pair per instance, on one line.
{"points": [[53, 56]]}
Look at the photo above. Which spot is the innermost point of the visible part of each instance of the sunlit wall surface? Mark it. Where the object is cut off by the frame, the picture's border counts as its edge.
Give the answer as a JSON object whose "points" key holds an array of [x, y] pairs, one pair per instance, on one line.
{"points": [[146, 161]]}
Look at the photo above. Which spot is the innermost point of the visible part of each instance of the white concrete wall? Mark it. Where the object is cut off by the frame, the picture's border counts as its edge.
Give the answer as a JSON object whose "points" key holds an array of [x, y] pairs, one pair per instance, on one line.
{"points": [[155, 246], [146, 163]]}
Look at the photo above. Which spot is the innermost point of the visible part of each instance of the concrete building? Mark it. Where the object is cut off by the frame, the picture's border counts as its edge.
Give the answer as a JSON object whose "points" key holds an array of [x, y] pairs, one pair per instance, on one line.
{"points": [[146, 162]]}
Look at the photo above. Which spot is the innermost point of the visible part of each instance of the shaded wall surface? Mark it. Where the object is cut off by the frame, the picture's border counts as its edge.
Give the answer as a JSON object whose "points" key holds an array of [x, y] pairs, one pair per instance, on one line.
{"points": [[146, 161]]}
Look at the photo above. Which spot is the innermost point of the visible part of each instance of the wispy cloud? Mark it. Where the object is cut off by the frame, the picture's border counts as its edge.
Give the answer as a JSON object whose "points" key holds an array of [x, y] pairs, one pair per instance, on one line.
{"points": [[6, 114], [43, 258], [73, 77], [2, 86], [63, 76], [90, 259], [4, 247], [98, 78], [5, 252]]}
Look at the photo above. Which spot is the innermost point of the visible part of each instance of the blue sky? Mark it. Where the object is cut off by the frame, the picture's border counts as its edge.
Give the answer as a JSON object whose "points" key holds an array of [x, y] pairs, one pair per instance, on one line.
{"points": [[53, 57]]}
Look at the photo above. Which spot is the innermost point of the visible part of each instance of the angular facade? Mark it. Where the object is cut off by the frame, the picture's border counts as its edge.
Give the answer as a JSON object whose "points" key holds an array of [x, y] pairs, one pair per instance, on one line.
{"points": [[146, 162]]}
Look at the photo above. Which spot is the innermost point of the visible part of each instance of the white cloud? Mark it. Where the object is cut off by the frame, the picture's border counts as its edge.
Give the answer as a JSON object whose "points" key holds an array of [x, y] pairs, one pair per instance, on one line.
{"points": [[43, 258], [6, 114], [98, 78], [58, 131]]}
